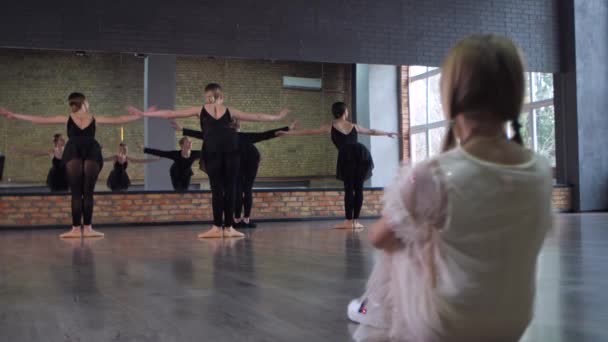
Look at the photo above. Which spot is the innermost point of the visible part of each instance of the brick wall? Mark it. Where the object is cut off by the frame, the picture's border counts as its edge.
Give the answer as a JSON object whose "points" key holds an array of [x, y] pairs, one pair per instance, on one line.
{"points": [[393, 32], [405, 113], [562, 198], [38, 82], [172, 207], [256, 86], [193, 207]]}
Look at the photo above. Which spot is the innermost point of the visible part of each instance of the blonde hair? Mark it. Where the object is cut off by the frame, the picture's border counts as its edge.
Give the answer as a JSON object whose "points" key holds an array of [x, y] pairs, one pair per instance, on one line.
{"points": [[482, 78]]}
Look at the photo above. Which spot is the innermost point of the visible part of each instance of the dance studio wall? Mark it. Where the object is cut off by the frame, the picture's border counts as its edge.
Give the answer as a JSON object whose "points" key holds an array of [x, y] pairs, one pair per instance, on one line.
{"points": [[38, 82], [415, 32], [53, 210], [256, 86]]}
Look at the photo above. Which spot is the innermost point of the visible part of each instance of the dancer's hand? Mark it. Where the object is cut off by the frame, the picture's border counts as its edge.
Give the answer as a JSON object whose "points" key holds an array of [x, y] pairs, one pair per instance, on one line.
{"points": [[6, 113], [281, 133], [135, 111], [293, 125], [393, 135], [282, 113], [139, 145], [176, 126]]}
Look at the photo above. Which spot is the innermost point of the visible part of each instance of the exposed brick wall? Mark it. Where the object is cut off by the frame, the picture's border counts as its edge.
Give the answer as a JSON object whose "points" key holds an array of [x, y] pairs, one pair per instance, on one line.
{"points": [[38, 82], [405, 113], [256, 86], [562, 198], [194, 207], [394, 32], [171, 207]]}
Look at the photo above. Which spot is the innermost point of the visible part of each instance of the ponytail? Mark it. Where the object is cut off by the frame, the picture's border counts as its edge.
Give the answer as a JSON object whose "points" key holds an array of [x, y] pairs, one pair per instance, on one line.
{"points": [[516, 126], [450, 140]]}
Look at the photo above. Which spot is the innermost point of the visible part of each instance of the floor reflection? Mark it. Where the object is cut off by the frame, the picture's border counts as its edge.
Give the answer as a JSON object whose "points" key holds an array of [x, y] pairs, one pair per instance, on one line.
{"points": [[284, 282]]}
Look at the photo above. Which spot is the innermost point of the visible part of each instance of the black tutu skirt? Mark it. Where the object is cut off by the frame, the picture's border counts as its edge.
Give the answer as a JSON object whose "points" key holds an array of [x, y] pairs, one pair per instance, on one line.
{"points": [[84, 148], [118, 180], [354, 162], [57, 179]]}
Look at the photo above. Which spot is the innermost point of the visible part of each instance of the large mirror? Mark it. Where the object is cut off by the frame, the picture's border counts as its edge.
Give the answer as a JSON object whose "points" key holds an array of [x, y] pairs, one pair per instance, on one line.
{"points": [[402, 99], [38, 82]]}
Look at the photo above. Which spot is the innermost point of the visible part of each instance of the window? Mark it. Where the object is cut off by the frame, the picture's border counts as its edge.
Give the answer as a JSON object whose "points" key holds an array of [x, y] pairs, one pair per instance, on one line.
{"points": [[428, 125]]}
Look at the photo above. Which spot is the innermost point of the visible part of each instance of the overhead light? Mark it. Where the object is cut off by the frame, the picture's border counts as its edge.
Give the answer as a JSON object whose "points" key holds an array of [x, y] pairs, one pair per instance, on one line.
{"points": [[139, 55], [302, 83], [80, 53]]}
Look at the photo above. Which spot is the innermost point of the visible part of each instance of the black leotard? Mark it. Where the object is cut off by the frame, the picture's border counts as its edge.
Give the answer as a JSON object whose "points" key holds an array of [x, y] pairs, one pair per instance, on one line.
{"points": [[82, 144], [181, 169], [353, 167]]}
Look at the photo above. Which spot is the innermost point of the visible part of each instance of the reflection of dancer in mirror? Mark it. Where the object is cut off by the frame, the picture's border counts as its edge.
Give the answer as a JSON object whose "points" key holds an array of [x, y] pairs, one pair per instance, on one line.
{"points": [[249, 165], [181, 169], [56, 179], [461, 232], [220, 152], [118, 179], [354, 164], [81, 156]]}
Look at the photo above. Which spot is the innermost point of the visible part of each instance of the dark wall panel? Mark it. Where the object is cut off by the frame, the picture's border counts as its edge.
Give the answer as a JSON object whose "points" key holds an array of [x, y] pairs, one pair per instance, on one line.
{"points": [[591, 31], [361, 31]]}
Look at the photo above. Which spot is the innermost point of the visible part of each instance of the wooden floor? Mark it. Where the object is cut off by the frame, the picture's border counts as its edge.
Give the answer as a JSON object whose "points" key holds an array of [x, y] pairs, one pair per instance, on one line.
{"points": [[284, 282]]}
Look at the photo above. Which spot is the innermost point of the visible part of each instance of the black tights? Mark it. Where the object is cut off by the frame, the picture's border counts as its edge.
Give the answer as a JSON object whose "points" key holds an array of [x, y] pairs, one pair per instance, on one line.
{"points": [[82, 176], [222, 168], [353, 198], [244, 192]]}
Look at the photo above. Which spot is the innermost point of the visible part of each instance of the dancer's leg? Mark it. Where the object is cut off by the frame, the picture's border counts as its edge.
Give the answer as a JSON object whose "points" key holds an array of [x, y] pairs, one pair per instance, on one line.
{"points": [[75, 174], [358, 203], [248, 180], [213, 162], [231, 172], [91, 171], [349, 194], [238, 202]]}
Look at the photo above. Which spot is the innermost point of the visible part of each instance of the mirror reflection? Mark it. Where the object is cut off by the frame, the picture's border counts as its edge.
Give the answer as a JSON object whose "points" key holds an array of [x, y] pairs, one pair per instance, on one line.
{"points": [[135, 158]]}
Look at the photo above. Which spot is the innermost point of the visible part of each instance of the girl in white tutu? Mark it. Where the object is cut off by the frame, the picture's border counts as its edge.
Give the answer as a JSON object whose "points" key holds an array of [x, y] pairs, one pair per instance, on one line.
{"points": [[461, 232]]}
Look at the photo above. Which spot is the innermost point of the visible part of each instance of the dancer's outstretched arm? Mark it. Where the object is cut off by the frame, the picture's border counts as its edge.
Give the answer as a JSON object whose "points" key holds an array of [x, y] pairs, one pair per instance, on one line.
{"points": [[31, 152], [121, 119], [167, 113], [116, 120], [323, 129], [256, 137], [375, 132], [173, 155], [192, 133], [35, 119], [243, 116]]}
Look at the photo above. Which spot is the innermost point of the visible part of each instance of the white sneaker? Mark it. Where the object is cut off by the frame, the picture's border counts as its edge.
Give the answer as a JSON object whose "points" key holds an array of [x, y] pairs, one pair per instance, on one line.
{"points": [[356, 310]]}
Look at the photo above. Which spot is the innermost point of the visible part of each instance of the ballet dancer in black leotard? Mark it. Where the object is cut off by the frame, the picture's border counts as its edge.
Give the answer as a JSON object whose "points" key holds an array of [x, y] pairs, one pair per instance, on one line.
{"points": [[81, 156], [56, 179], [220, 153], [181, 169], [118, 179], [249, 165], [354, 164]]}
